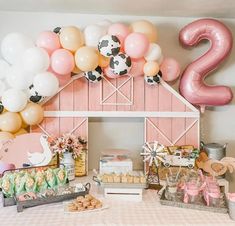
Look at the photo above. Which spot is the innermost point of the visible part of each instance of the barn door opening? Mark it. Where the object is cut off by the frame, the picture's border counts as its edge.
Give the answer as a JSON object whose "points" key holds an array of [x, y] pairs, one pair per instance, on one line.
{"points": [[115, 133]]}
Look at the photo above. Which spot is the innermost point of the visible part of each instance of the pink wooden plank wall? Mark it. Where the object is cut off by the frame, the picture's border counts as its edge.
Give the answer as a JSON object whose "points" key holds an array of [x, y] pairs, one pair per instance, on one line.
{"points": [[151, 104], [84, 96], [80, 98], [178, 124], [66, 104], [126, 90], [108, 89], [165, 104]]}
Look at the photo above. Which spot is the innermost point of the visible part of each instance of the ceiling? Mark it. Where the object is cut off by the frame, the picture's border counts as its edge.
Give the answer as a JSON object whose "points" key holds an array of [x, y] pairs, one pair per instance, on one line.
{"points": [[177, 8]]}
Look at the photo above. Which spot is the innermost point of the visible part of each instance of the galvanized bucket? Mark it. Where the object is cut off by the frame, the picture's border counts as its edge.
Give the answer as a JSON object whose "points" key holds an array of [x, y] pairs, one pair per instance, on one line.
{"points": [[231, 209], [214, 150]]}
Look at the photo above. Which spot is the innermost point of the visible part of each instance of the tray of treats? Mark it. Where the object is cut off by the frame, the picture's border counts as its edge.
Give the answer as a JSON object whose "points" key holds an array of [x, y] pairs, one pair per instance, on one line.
{"points": [[221, 207], [49, 196], [38, 186], [87, 203], [129, 180]]}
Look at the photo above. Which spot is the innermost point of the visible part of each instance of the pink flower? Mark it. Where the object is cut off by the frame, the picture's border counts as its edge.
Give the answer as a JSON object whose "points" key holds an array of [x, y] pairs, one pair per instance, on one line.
{"points": [[68, 143]]}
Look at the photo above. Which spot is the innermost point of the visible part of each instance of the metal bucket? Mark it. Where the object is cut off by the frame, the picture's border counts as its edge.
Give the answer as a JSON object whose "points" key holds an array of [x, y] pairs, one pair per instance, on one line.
{"points": [[231, 209], [214, 150]]}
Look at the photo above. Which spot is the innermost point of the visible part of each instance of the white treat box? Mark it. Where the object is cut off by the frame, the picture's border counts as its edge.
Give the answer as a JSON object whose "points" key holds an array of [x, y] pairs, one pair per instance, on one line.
{"points": [[115, 165], [125, 194]]}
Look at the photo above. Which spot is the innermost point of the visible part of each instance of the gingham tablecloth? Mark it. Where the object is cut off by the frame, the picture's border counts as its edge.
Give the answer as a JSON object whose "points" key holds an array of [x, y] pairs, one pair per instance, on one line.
{"points": [[147, 212]]}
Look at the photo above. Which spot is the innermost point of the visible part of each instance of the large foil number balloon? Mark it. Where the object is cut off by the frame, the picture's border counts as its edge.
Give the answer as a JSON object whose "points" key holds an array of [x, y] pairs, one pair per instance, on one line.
{"points": [[192, 85]]}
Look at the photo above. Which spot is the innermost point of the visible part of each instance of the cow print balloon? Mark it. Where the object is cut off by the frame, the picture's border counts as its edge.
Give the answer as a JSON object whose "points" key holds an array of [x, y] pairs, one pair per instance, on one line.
{"points": [[153, 80], [94, 76], [1, 107], [109, 45], [34, 95], [120, 64]]}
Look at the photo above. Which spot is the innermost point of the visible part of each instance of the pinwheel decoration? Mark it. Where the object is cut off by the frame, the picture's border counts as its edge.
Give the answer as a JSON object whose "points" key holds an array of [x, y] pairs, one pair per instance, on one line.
{"points": [[153, 154]]}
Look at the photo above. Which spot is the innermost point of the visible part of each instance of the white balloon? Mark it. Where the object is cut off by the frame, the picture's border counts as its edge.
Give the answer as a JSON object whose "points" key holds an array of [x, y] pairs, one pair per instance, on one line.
{"points": [[18, 78], [154, 52], [4, 69], [14, 100], [105, 24], [160, 60], [2, 87], [35, 60], [13, 46], [93, 34], [46, 84]]}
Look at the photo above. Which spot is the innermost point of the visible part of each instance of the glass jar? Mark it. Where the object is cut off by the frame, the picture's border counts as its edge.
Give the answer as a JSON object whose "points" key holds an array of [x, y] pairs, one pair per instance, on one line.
{"points": [[81, 164], [68, 161], [191, 192], [171, 188]]}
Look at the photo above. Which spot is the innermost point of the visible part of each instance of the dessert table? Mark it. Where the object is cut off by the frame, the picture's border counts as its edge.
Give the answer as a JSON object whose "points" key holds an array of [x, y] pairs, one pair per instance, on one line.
{"points": [[147, 212]]}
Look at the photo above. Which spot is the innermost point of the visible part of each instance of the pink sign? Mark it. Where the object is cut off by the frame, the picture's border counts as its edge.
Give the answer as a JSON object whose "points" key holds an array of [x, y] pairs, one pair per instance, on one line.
{"points": [[31, 148]]}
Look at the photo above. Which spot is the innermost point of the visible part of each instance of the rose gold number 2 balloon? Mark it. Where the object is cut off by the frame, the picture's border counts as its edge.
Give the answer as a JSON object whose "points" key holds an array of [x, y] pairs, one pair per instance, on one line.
{"points": [[192, 85]]}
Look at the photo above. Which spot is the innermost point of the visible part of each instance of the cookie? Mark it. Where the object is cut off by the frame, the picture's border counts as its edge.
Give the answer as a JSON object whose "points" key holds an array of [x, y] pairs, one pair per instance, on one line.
{"points": [[90, 207], [79, 198], [80, 209], [79, 204], [98, 205], [72, 208], [89, 197], [94, 202], [86, 204]]}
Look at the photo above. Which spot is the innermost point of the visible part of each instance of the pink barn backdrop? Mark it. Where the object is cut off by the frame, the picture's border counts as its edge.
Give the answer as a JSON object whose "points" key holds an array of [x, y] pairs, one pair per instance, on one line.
{"points": [[169, 118]]}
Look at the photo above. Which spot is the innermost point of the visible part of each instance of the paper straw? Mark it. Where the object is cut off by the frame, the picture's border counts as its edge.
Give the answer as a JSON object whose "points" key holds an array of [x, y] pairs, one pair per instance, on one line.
{"points": [[170, 171], [178, 173]]}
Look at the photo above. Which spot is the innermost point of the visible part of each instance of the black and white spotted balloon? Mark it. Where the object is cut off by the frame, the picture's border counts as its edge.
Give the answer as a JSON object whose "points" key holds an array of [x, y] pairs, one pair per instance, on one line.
{"points": [[94, 76], [109, 45], [153, 80], [120, 64], [34, 96], [1, 107]]}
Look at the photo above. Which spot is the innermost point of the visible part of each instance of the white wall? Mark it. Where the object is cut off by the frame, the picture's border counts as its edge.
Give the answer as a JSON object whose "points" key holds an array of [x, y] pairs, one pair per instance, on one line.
{"points": [[218, 124]]}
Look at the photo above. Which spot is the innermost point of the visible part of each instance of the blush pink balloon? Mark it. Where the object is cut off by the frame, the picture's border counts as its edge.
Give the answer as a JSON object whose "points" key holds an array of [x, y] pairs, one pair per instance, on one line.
{"points": [[108, 72], [192, 85], [136, 45], [62, 61], [137, 66], [170, 69], [120, 30], [49, 41]]}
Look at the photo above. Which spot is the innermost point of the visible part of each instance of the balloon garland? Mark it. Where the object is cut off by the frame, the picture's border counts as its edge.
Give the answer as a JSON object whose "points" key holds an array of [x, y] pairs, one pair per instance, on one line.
{"points": [[32, 71]]}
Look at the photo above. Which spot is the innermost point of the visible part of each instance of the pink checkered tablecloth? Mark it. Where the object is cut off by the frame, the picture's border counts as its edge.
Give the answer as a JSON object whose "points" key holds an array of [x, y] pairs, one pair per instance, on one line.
{"points": [[147, 212]]}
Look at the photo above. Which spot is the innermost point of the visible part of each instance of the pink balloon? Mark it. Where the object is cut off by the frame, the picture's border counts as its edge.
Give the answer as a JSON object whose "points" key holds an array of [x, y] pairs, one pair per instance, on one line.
{"points": [[62, 61], [137, 66], [192, 85], [136, 45], [170, 69], [49, 41], [120, 30], [108, 72]]}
